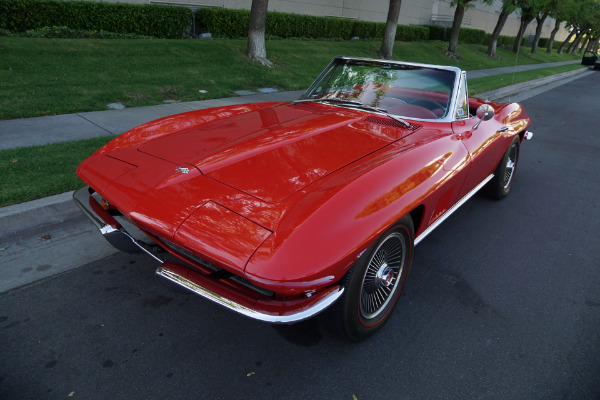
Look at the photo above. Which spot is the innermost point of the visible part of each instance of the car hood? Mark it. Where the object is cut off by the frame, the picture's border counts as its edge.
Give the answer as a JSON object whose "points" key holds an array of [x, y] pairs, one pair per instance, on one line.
{"points": [[275, 151]]}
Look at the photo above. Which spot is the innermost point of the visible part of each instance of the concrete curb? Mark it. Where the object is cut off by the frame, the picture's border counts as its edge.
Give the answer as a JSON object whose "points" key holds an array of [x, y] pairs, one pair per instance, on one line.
{"points": [[508, 92]]}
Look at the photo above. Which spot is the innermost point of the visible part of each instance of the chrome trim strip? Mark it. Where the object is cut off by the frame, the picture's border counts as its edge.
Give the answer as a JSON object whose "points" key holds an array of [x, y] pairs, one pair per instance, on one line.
{"points": [[248, 312], [451, 210]]}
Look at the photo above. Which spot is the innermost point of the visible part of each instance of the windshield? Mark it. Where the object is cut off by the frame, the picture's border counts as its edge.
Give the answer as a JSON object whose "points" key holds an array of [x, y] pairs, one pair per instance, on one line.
{"points": [[402, 90]]}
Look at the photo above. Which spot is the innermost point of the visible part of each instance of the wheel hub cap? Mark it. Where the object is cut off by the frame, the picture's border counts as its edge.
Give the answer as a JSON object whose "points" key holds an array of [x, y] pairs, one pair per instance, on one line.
{"points": [[384, 276]]}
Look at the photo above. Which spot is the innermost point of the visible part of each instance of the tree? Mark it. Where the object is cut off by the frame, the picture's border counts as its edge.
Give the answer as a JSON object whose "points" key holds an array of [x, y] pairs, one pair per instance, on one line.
{"points": [[544, 8], [391, 24], [567, 40], [557, 23], [563, 10], [459, 13], [256, 32], [527, 9], [580, 34], [508, 7], [584, 17]]}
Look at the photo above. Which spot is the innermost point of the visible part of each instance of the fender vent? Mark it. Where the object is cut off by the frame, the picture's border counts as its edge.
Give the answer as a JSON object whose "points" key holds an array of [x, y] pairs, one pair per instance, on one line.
{"points": [[390, 122]]}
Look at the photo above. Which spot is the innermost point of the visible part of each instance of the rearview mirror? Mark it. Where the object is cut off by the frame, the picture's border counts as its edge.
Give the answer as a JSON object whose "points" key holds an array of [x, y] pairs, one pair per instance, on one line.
{"points": [[485, 112]]}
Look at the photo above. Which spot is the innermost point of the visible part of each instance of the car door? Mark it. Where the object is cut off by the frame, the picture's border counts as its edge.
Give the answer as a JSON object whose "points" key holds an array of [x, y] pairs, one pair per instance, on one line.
{"points": [[482, 140]]}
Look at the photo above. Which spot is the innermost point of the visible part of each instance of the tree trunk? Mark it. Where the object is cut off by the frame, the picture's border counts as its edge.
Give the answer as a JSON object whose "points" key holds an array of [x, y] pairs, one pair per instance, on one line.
{"points": [[256, 32], [458, 17], [590, 44], [585, 43], [563, 44], [538, 32], [389, 36], [573, 46], [491, 51], [525, 20], [552, 36]]}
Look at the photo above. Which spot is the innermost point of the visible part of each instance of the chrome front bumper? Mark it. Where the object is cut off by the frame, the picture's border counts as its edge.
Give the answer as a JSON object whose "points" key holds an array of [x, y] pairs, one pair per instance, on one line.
{"points": [[243, 302], [109, 227]]}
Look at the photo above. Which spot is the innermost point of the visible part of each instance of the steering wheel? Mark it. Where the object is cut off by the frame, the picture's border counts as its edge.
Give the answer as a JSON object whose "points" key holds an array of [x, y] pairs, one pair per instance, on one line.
{"points": [[427, 103], [397, 99]]}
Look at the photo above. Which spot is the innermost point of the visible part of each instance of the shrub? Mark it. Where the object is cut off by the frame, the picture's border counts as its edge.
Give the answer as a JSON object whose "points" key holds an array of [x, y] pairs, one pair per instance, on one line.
{"points": [[543, 43], [508, 41], [221, 22], [368, 30], [62, 32], [140, 19], [436, 32], [472, 36], [466, 35], [412, 33]]}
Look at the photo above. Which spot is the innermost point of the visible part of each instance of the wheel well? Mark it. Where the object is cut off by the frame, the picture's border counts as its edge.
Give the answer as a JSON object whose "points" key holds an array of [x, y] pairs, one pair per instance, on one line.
{"points": [[417, 217]]}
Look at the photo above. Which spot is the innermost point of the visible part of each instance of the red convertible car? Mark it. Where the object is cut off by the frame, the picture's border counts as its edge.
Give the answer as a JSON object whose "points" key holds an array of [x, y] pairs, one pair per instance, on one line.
{"points": [[280, 210]]}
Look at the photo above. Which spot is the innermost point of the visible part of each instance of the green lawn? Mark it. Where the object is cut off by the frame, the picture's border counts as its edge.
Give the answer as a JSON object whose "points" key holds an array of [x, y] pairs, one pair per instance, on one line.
{"points": [[34, 172], [56, 76]]}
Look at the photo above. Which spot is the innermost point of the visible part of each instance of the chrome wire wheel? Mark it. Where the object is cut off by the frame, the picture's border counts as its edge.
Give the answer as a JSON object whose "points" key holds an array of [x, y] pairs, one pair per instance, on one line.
{"points": [[382, 276], [511, 163]]}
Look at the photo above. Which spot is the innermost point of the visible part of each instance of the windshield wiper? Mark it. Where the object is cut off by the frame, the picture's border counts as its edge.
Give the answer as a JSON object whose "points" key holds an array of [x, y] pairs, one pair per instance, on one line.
{"points": [[329, 100], [355, 104]]}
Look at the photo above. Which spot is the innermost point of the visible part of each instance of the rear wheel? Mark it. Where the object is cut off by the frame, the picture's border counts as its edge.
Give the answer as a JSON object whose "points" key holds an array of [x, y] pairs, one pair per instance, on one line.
{"points": [[504, 175], [373, 285]]}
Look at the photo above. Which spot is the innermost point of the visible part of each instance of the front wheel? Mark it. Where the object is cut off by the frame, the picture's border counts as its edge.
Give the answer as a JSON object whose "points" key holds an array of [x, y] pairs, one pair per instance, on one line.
{"points": [[374, 283], [504, 175]]}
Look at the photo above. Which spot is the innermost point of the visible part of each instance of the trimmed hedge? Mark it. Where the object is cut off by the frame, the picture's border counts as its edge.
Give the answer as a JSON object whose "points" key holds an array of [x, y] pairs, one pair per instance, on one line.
{"points": [[436, 32], [466, 35], [62, 32], [140, 19], [411, 33], [507, 42], [221, 22], [474, 36], [543, 43]]}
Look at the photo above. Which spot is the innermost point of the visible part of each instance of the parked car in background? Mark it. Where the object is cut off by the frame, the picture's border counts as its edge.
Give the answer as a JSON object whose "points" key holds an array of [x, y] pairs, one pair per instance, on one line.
{"points": [[590, 58], [280, 210]]}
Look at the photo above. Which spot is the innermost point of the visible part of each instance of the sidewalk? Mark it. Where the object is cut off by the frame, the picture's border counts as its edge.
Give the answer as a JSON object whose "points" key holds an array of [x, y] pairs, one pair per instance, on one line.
{"points": [[60, 128]]}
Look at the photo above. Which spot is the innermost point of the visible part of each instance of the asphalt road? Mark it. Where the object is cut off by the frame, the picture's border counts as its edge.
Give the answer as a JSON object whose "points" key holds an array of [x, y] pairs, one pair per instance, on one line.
{"points": [[503, 302]]}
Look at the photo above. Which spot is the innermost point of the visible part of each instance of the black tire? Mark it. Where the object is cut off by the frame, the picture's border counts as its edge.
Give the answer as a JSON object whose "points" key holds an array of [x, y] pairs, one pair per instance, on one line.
{"points": [[504, 176], [374, 284]]}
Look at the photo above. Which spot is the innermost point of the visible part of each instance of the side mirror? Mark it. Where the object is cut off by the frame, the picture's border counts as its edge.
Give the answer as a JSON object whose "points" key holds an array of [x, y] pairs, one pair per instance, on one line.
{"points": [[485, 112]]}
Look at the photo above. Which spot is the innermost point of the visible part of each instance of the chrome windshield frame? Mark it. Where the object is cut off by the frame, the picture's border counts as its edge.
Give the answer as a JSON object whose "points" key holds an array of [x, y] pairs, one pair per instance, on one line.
{"points": [[459, 75]]}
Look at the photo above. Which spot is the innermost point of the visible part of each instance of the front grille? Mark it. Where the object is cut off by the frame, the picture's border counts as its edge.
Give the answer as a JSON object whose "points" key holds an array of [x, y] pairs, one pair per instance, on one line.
{"points": [[217, 272], [190, 256]]}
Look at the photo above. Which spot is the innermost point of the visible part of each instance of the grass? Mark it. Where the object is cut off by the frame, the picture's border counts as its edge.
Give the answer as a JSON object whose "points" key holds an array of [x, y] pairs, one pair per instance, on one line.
{"points": [[480, 85], [57, 76], [34, 172]]}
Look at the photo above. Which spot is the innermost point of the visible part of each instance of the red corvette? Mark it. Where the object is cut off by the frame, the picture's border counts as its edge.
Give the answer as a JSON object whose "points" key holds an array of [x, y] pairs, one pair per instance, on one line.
{"points": [[280, 210]]}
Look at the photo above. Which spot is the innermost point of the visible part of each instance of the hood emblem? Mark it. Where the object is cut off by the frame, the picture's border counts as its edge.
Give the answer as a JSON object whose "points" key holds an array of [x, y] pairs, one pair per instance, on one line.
{"points": [[183, 170]]}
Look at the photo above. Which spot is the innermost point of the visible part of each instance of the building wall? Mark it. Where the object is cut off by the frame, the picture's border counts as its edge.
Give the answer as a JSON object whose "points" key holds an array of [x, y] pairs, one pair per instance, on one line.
{"points": [[412, 12]]}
